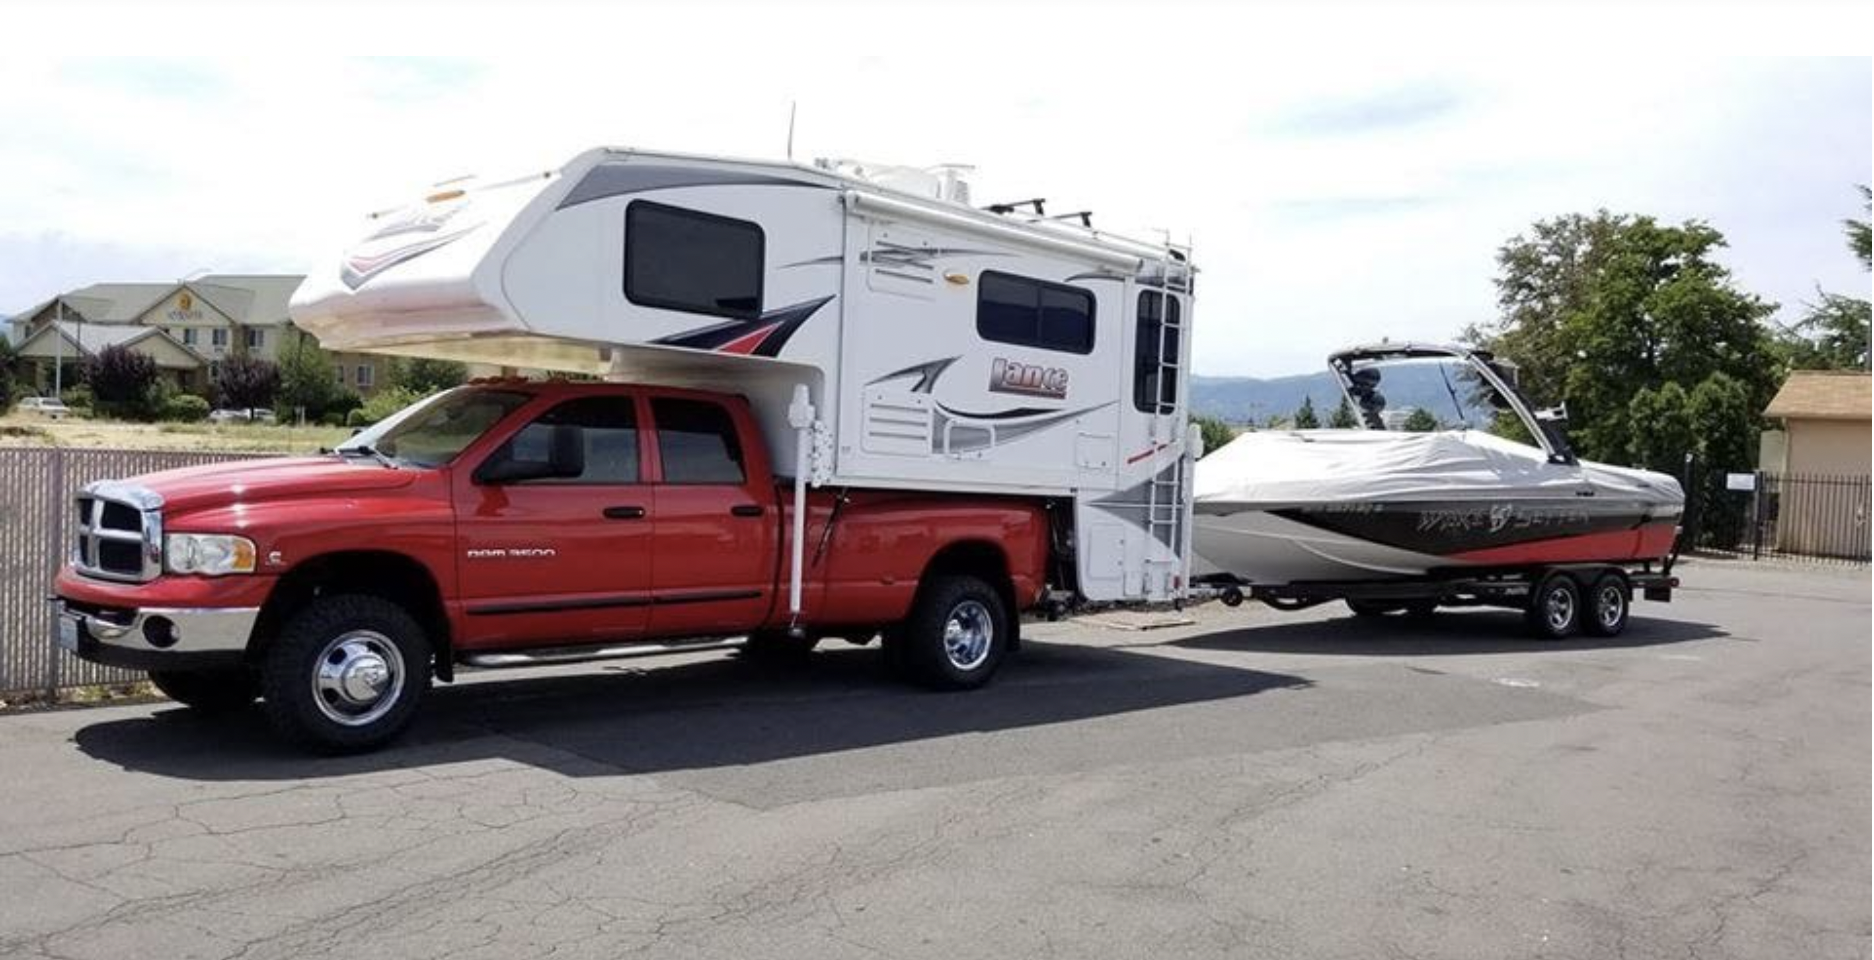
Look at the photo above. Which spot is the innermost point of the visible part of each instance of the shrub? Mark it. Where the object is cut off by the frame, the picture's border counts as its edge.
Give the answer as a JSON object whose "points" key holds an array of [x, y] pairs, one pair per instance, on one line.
{"points": [[120, 378], [245, 381], [423, 376], [386, 402], [185, 408], [78, 397]]}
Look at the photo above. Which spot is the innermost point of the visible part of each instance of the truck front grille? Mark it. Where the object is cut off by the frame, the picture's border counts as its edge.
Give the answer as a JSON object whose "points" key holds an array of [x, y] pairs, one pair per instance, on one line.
{"points": [[120, 533]]}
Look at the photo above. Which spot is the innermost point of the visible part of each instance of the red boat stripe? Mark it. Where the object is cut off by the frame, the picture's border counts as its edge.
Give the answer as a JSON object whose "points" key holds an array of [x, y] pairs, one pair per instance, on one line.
{"points": [[747, 342], [1649, 542]]}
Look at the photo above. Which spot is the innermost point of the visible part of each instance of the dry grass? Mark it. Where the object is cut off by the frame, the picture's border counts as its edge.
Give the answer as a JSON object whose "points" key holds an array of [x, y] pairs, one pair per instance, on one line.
{"points": [[26, 430]]}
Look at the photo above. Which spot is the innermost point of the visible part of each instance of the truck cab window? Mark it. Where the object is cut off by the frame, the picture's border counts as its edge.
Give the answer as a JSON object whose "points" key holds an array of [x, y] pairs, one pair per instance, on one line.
{"points": [[608, 427], [678, 259], [697, 442]]}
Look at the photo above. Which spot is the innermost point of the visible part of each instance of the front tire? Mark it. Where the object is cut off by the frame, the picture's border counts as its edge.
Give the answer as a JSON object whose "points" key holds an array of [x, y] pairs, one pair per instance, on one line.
{"points": [[208, 691], [956, 636], [346, 674], [1554, 611]]}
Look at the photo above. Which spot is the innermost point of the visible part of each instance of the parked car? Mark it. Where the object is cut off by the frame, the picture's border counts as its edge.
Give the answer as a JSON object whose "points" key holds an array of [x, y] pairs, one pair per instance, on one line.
{"points": [[51, 407], [241, 415]]}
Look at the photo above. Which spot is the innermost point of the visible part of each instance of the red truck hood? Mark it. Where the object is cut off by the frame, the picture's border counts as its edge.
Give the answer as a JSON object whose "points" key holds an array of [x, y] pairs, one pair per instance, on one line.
{"points": [[248, 481]]}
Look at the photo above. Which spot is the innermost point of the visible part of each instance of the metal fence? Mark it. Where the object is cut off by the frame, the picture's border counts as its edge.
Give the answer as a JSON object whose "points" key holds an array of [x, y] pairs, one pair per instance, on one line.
{"points": [[36, 518], [1808, 516]]}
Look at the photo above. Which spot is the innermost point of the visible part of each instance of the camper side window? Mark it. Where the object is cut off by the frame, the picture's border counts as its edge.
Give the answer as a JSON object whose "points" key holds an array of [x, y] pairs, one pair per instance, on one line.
{"points": [[1034, 313], [677, 259], [1155, 388]]}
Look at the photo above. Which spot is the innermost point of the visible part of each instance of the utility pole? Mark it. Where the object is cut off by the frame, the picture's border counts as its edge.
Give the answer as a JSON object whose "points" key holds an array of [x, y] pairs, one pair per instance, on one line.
{"points": [[58, 349]]}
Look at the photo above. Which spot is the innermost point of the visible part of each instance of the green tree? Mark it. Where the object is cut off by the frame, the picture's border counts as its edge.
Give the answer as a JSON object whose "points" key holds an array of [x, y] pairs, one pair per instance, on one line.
{"points": [[1594, 309], [10, 389], [1420, 420], [1343, 416], [1833, 334], [1858, 231], [1663, 428], [1305, 418], [1216, 432], [423, 376], [1724, 420], [307, 381], [244, 381]]}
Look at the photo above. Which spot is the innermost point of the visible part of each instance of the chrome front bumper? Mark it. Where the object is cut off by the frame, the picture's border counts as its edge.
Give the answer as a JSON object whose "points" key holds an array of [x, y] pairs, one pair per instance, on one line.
{"points": [[153, 638]]}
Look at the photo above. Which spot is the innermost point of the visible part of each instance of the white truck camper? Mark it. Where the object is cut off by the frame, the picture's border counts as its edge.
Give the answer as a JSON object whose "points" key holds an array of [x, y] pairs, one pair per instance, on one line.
{"points": [[888, 334]]}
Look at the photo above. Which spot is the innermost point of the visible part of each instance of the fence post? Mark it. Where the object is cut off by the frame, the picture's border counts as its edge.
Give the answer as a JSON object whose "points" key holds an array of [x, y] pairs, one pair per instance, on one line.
{"points": [[1756, 518], [55, 531]]}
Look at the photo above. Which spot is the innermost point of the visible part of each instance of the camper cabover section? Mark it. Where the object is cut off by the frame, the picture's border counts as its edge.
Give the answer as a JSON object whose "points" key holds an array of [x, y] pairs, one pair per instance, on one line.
{"points": [[941, 347]]}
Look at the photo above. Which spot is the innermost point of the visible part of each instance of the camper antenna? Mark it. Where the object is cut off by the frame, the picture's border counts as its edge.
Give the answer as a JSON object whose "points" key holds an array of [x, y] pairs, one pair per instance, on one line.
{"points": [[1006, 208], [791, 106]]}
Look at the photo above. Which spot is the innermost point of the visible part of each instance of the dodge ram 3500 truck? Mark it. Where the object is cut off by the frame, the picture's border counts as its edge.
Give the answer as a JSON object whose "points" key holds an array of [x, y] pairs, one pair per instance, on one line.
{"points": [[515, 522]]}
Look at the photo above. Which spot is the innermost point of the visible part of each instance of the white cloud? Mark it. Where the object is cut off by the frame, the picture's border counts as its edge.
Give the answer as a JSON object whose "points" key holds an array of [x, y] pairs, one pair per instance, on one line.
{"points": [[1332, 198]]}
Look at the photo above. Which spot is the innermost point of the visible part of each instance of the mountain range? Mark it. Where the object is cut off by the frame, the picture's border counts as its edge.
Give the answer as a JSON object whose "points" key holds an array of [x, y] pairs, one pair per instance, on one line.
{"points": [[1253, 400]]}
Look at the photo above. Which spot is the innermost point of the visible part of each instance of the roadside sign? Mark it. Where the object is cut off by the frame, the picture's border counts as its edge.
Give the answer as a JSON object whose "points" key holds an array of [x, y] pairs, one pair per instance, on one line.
{"points": [[1740, 481]]}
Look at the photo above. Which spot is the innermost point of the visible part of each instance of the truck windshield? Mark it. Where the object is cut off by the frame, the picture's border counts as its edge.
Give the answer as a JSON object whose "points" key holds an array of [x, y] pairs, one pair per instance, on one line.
{"points": [[432, 431]]}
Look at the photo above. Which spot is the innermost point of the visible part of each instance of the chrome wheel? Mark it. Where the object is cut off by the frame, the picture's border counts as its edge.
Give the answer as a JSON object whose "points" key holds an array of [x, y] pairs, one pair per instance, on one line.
{"points": [[1610, 606], [1559, 609], [968, 634], [357, 678]]}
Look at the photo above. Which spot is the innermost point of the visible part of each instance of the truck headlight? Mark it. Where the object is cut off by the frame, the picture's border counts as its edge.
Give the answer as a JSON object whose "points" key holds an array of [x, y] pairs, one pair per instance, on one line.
{"points": [[208, 554]]}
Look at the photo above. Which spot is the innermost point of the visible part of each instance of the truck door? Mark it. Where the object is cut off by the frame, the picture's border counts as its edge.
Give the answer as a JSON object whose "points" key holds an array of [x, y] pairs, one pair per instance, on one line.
{"points": [[565, 560], [715, 526]]}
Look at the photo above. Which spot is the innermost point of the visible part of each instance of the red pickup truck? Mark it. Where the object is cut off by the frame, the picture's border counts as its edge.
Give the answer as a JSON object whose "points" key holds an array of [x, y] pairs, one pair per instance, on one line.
{"points": [[513, 522]]}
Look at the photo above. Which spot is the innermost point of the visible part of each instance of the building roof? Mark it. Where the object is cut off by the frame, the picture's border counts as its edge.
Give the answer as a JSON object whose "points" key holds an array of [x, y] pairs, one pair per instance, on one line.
{"points": [[1824, 395], [257, 299]]}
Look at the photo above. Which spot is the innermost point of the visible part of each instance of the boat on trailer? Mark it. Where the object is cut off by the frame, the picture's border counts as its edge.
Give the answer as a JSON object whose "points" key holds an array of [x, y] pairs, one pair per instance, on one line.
{"points": [[1390, 520]]}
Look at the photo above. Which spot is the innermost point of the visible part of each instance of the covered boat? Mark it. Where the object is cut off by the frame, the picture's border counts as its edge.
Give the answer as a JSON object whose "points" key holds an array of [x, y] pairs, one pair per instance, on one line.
{"points": [[1284, 507]]}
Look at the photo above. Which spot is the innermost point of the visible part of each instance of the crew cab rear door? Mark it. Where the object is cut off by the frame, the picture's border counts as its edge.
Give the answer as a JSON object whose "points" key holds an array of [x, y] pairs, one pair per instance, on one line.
{"points": [[561, 560], [714, 528]]}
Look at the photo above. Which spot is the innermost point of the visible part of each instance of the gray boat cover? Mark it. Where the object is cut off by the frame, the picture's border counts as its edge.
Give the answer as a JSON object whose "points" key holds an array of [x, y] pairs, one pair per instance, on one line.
{"points": [[1298, 467]]}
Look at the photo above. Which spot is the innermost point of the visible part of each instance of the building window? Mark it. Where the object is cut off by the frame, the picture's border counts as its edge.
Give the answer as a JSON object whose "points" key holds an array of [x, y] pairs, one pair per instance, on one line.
{"points": [[1158, 320], [364, 375], [1034, 313], [188, 336], [218, 338], [678, 259], [256, 338], [696, 441]]}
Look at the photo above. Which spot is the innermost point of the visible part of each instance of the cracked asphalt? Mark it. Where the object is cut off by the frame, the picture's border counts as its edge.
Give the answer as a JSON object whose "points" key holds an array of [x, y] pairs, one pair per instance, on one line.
{"points": [[1257, 785]]}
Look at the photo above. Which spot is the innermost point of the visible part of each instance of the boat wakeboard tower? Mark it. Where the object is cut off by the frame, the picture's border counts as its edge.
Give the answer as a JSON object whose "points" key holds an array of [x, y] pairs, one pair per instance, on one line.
{"points": [[1452, 515], [887, 333]]}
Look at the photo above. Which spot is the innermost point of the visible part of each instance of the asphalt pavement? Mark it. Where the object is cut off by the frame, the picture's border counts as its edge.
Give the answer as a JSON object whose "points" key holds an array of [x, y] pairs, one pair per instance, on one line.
{"points": [[1257, 784]]}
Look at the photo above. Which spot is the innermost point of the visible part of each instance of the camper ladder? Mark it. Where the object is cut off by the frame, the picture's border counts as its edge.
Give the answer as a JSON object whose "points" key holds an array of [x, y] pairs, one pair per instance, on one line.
{"points": [[1167, 496]]}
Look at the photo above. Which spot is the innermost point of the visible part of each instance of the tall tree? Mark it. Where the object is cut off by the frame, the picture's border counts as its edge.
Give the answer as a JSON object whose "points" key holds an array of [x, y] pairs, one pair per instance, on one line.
{"points": [[1305, 418], [308, 382], [1594, 309], [120, 378], [1858, 230], [1420, 420], [1343, 416], [1216, 432], [1833, 333], [246, 381]]}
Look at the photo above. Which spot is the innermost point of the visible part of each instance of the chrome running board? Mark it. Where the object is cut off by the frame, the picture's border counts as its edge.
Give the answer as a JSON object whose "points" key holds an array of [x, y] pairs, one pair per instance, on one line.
{"points": [[617, 651]]}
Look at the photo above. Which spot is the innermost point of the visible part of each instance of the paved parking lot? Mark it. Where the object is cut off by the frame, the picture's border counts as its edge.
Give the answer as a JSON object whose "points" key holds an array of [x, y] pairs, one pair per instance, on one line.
{"points": [[1256, 785]]}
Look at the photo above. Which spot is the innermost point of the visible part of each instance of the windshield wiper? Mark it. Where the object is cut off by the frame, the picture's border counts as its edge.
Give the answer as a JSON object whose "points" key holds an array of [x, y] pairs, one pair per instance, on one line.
{"points": [[369, 451]]}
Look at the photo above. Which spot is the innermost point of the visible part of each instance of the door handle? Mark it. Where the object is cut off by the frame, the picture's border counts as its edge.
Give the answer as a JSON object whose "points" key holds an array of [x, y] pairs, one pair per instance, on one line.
{"points": [[746, 510], [624, 513]]}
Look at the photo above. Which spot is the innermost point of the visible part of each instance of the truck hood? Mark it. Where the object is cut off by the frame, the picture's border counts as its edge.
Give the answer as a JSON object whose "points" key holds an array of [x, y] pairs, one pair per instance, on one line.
{"points": [[278, 478]]}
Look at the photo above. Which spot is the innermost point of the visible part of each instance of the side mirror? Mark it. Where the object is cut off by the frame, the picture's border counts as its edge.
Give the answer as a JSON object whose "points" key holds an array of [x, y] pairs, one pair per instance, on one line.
{"points": [[566, 460]]}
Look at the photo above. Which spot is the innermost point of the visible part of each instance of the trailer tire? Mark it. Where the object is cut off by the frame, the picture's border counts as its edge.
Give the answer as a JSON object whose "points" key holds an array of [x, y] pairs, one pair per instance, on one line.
{"points": [[208, 691], [1554, 611], [1610, 600], [956, 636], [346, 673]]}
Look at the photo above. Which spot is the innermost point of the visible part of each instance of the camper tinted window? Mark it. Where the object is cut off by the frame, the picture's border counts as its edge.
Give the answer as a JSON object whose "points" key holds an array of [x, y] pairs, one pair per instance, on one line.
{"points": [[696, 440], [1034, 313], [1149, 393], [680, 259]]}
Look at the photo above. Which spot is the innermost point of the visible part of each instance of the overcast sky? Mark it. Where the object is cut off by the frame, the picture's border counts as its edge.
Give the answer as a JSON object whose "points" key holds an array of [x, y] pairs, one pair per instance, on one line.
{"points": [[1330, 200]]}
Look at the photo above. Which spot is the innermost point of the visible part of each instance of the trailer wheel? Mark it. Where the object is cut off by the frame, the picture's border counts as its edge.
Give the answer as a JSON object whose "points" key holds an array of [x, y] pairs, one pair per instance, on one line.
{"points": [[208, 691], [346, 673], [1554, 610], [1609, 603], [956, 636]]}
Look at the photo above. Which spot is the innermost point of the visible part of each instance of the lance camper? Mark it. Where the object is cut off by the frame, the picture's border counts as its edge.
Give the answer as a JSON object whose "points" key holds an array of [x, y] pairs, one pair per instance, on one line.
{"points": [[887, 334]]}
